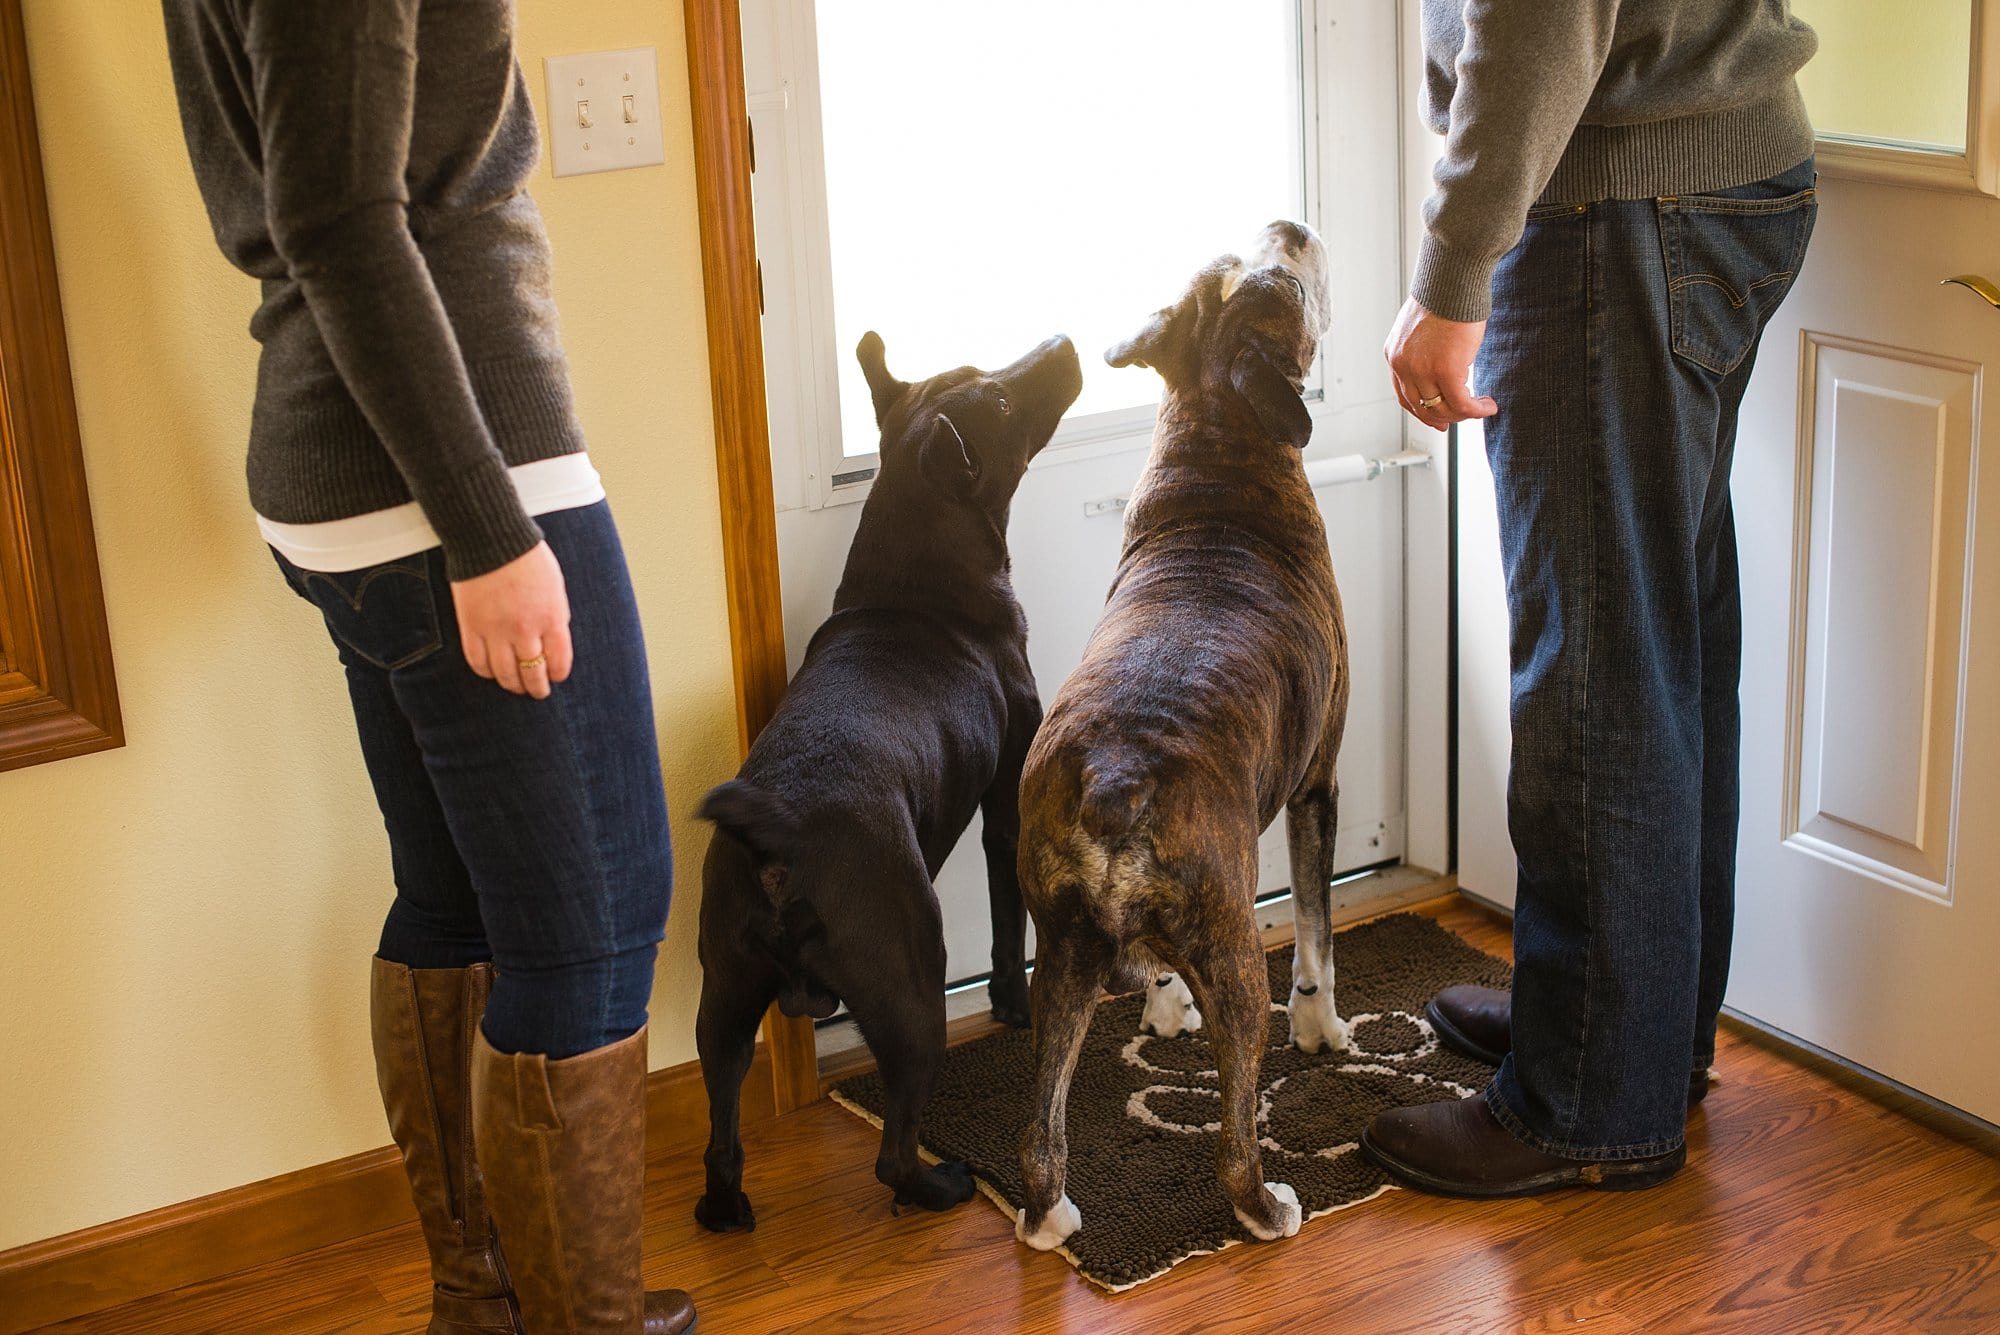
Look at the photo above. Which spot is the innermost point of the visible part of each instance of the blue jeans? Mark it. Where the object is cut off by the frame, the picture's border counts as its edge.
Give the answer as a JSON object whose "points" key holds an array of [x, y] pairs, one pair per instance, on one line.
{"points": [[1622, 337], [532, 833]]}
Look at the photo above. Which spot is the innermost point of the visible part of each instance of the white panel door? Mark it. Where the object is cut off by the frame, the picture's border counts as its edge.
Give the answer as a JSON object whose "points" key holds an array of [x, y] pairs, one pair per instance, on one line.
{"points": [[1868, 516]]}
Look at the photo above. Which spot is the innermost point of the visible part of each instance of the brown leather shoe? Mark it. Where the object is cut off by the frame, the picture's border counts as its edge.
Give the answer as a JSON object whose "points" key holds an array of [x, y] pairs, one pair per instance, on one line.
{"points": [[1478, 1022], [564, 1147], [422, 1022], [1475, 1022], [1460, 1149]]}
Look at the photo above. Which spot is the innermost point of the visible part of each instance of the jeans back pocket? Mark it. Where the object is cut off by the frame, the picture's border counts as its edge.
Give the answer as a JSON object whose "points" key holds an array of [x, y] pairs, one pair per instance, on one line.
{"points": [[1730, 260], [384, 614]]}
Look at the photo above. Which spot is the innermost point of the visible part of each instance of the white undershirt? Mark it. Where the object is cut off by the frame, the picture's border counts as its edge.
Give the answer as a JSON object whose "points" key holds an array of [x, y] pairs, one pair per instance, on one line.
{"points": [[565, 482]]}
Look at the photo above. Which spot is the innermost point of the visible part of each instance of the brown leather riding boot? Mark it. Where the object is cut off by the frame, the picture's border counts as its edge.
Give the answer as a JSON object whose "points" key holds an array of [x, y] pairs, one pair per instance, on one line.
{"points": [[564, 1147], [423, 1022]]}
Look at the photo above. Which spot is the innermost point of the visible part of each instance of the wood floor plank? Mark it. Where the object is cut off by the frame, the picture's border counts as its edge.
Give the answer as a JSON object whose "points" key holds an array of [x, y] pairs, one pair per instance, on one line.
{"points": [[1808, 1206]]}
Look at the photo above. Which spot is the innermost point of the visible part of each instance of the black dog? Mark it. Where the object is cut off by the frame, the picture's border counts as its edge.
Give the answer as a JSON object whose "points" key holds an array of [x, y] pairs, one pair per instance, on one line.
{"points": [[914, 706]]}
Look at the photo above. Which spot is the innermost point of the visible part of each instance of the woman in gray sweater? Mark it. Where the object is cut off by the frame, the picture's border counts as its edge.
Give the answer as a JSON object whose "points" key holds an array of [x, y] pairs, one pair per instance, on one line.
{"points": [[1625, 196], [416, 465]]}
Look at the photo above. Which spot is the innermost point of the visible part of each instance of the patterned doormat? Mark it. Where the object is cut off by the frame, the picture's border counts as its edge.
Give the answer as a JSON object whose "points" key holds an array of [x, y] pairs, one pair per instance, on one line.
{"points": [[1143, 1112]]}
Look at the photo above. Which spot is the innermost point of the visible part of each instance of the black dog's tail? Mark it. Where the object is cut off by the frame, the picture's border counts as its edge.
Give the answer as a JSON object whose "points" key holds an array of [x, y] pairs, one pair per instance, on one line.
{"points": [[763, 821], [1116, 793]]}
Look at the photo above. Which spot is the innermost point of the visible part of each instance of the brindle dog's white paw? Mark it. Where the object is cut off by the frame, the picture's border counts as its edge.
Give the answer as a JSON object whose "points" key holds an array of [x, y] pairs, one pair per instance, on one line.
{"points": [[1316, 1026], [1290, 1214], [1062, 1220], [1170, 1010]]}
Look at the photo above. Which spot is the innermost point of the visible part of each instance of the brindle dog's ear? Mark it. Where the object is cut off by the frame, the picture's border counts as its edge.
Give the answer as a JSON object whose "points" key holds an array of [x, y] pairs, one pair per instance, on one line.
{"points": [[1162, 344], [1272, 395], [883, 388], [947, 460]]}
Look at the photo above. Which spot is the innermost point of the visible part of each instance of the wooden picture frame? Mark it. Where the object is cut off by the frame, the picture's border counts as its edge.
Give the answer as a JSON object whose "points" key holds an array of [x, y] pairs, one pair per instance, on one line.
{"points": [[58, 693], [722, 163]]}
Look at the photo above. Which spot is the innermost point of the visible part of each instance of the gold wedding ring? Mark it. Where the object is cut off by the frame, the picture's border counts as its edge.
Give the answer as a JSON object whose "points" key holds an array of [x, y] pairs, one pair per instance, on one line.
{"points": [[1431, 402], [530, 664]]}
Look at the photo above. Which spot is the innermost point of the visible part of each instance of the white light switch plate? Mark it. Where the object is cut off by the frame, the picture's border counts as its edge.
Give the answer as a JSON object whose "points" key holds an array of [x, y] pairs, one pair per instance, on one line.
{"points": [[597, 86]]}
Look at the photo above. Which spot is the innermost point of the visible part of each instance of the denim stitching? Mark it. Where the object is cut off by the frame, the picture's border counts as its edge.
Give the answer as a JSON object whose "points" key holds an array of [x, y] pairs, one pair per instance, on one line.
{"points": [[1804, 204], [1715, 280], [606, 919], [1589, 639], [1544, 212], [1724, 204], [416, 569]]}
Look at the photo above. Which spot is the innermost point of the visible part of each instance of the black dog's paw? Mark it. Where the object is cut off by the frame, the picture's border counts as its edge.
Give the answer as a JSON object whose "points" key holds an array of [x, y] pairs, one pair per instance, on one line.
{"points": [[719, 1214], [1010, 1001], [940, 1188], [1014, 1017]]}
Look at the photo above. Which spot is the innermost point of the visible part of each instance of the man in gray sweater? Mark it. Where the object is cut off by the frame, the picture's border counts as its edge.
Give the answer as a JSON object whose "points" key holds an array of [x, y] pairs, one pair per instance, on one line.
{"points": [[1625, 196]]}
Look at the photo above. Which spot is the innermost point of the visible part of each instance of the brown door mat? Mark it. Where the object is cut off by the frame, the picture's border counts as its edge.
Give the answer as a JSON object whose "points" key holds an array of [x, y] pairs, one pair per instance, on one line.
{"points": [[1143, 1112]]}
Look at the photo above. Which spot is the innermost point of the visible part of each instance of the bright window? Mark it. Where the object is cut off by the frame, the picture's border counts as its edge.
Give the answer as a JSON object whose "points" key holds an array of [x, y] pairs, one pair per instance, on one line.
{"points": [[1889, 74], [996, 174]]}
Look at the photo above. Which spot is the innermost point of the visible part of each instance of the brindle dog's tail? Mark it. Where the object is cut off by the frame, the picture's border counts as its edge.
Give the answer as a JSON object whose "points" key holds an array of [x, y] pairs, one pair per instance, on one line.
{"points": [[1116, 792], [763, 822]]}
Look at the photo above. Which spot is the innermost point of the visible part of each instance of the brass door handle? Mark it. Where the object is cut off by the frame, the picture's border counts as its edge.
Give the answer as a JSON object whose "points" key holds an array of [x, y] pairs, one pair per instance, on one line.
{"points": [[1986, 290]]}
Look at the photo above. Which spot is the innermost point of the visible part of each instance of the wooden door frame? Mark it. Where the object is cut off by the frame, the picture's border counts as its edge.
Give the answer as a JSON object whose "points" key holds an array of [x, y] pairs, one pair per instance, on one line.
{"points": [[722, 163]]}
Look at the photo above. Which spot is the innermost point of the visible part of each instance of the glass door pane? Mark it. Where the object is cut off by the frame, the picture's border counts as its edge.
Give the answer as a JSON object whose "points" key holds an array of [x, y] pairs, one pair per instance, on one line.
{"points": [[998, 174], [1893, 73]]}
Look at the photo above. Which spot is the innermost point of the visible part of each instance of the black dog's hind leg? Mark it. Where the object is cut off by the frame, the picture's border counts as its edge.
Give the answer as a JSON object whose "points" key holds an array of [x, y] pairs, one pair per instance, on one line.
{"points": [[734, 995], [901, 1014], [1008, 989], [1000, 814]]}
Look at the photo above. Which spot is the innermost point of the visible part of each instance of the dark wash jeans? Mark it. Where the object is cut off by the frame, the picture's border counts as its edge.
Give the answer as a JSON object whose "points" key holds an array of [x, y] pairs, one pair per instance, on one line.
{"points": [[529, 832], [1622, 337]]}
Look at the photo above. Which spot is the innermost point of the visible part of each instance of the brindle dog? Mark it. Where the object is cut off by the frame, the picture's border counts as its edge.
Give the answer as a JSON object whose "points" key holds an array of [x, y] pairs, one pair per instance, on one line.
{"points": [[1212, 693], [913, 709]]}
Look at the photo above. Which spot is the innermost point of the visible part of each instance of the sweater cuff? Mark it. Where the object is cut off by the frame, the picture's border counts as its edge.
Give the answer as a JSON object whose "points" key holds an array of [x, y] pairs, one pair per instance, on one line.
{"points": [[1452, 285], [481, 522]]}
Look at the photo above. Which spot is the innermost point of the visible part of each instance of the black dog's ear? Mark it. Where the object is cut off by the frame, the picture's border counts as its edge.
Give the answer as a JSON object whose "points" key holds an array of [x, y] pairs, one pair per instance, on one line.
{"points": [[883, 388], [1160, 345], [947, 460], [1272, 395]]}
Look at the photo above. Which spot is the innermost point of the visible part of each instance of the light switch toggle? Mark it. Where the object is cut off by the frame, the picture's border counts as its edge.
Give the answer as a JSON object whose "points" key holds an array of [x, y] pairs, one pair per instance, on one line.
{"points": [[603, 110]]}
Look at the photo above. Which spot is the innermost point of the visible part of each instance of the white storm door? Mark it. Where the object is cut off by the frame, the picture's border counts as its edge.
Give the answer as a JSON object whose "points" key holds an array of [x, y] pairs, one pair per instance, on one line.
{"points": [[1867, 489], [1078, 164]]}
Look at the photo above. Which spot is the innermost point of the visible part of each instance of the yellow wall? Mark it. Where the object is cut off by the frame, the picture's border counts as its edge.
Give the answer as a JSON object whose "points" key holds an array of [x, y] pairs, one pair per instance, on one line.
{"points": [[185, 924], [1889, 70]]}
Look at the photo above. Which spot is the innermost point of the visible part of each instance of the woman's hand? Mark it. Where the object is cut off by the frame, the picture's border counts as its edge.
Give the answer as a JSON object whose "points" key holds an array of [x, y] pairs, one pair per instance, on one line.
{"points": [[514, 623], [1430, 359]]}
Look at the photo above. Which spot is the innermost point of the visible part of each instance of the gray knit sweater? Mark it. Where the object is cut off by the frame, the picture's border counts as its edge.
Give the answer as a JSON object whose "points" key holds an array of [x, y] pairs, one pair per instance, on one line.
{"points": [[1575, 101], [366, 159]]}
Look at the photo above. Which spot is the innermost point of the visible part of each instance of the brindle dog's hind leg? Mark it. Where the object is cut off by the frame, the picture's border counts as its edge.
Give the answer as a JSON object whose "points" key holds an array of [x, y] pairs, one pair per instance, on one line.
{"points": [[735, 991], [1229, 977], [1312, 819], [1072, 962]]}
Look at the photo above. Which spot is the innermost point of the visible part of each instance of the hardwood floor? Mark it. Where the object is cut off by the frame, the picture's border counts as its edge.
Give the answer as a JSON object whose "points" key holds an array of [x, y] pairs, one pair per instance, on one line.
{"points": [[1808, 1205]]}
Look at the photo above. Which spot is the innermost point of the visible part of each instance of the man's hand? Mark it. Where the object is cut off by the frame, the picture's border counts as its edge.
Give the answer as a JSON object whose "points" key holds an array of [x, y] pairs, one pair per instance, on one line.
{"points": [[514, 623], [1430, 357]]}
